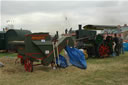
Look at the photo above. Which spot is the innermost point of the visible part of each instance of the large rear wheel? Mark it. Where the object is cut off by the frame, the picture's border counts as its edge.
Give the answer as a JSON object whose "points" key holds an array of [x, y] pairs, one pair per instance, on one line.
{"points": [[103, 50]]}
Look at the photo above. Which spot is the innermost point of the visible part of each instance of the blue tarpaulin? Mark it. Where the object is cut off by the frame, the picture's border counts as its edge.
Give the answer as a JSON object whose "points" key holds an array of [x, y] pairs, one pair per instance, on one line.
{"points": [[76, 57], [125, 46], [62, 61]]}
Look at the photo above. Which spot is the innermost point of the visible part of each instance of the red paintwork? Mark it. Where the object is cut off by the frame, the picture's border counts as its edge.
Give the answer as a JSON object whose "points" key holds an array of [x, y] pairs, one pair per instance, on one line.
{"points": [[103, 50], [30, 54], [28, 65], [19, 56], [37, 35]]}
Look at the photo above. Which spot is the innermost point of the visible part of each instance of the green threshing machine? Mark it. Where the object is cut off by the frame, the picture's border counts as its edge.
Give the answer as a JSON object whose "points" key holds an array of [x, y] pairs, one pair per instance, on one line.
{"points": [[40, 47]]}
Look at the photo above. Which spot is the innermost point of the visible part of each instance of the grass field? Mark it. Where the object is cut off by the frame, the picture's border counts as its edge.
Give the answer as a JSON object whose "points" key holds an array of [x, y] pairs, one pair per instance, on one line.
{"points": [[108, 71]]}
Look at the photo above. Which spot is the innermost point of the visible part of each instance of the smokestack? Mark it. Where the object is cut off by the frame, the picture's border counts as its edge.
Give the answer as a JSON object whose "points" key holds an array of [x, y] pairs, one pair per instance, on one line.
{"points": [[57, 34], [66, 31], [80, 27]]}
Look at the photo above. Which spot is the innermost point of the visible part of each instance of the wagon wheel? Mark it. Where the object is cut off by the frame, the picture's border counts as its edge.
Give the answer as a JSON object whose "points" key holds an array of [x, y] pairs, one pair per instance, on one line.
{"points": [[28, 65], [103, 50]]}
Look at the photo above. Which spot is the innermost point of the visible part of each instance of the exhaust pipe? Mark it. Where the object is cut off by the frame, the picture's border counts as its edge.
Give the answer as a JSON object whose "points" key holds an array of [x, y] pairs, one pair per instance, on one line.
{"points": [[80, 27]]}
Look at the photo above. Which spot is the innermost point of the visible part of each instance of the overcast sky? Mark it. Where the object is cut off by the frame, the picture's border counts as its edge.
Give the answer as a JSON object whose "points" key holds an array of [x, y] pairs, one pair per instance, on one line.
{"points": [[50, 16]]}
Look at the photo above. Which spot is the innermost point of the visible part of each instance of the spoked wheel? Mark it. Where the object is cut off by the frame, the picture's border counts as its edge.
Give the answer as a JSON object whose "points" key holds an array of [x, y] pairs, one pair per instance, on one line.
{"points": [[28, 65], [103, 50]]}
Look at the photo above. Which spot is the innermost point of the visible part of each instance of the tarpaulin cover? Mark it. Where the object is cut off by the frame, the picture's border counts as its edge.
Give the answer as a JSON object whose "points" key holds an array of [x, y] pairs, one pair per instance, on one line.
{"points": [[76, 57], [62, 61], [125, 46]]}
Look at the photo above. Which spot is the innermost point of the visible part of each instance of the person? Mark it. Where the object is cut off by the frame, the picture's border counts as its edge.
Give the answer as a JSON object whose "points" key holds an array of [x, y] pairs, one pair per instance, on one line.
{"points": [[109, 41], [121, 50], [116, 40], [113, 48]]}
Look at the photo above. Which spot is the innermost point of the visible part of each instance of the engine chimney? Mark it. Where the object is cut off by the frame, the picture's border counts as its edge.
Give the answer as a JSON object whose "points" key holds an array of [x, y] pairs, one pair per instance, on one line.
{"points": [[80, 27], [66, 31]]}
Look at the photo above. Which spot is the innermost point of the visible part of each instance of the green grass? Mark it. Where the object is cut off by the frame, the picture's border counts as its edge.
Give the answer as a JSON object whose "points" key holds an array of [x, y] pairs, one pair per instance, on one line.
{"points": [[108, 71], [8, 54]]}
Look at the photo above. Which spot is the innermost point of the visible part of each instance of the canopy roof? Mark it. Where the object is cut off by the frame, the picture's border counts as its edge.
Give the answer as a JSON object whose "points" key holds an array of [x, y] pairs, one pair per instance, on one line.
{"points": [[99, 27]]}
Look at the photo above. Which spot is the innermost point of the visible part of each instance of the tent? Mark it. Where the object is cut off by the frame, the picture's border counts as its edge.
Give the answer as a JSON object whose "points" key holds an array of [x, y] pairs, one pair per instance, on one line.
{"points": [[125, 46]]}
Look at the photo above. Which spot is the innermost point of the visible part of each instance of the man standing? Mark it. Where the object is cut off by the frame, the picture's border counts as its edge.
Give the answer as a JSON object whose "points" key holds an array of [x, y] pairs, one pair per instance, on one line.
{"points": [[121, 44], [116, 40]]}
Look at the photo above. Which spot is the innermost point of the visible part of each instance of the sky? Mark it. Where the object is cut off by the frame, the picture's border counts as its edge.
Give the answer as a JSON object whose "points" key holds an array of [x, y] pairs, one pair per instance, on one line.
{"points": [[52, 16]]}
